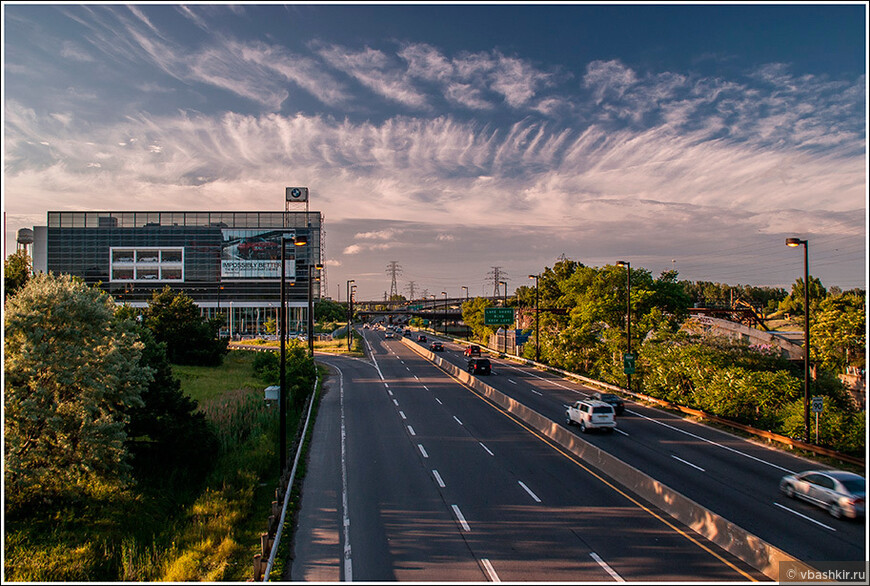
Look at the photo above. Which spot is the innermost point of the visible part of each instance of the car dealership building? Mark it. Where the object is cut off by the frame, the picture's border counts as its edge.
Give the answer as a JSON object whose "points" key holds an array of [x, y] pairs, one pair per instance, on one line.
{"points": [[228, 262]]}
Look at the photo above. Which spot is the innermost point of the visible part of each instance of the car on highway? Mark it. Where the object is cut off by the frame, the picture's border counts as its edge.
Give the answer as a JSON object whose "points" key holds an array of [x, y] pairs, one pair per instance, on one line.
{"points": [[479, 366], [591, 414], [389, 335], [472, 350], [422, 339], [840, 493], [436, 347], [614, 401]]}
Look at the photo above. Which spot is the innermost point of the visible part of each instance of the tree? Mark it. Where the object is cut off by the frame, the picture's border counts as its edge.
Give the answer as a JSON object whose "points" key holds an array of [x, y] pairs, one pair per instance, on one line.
{"points": [[794, 303], [473, 314], [167, 436], [72, 375], [175, 320], [16, 272], [327, 310], [837, 332]]}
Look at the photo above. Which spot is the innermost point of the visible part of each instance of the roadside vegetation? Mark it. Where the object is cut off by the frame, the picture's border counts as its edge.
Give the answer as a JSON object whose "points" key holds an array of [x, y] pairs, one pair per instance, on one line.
{"points": [[121, 466], [583, 330]]}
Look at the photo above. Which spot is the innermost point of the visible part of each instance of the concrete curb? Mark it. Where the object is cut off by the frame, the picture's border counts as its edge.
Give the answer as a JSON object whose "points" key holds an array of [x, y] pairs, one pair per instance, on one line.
{"points": [[756, 552]]}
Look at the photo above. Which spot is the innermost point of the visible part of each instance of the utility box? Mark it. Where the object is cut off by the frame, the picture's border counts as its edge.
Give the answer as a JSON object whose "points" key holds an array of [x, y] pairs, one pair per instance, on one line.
{"points": [[271, 393]]}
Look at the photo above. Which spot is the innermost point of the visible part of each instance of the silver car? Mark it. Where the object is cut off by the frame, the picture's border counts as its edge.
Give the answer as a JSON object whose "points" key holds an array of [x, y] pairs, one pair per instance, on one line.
{"points": [[841, 493]]}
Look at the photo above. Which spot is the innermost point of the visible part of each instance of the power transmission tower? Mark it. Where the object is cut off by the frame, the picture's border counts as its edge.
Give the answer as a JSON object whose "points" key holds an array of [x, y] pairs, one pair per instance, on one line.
{"points": [[411, 288], [496, 276], [394, 269]]}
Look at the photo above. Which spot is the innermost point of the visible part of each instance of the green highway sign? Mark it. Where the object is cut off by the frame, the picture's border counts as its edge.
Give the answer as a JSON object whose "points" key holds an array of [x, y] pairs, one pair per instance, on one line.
{"points": [[628, 362], [498, 316]]}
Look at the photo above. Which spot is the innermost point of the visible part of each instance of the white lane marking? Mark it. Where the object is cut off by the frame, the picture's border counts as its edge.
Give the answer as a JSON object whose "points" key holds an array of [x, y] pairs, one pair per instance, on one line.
{"points": [[486, 448], [438, 479], [703, 439], [537, 393], [425, 387], [345, 518], [396, 402], [457, 420], [513, 382], [423, 450], [607, 568], [804, 516], [402, 414], [687, 463], [439, 401], [490, 571], [372, 354], [461, 519], [617, 430], [411, 430], [389, 392], [529, 490], [415, 376], [549, 380]]}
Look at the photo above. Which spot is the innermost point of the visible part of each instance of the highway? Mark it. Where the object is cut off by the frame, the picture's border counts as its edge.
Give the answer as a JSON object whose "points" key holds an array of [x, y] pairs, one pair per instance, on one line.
{"points": [[413, 477], [735, 478]]}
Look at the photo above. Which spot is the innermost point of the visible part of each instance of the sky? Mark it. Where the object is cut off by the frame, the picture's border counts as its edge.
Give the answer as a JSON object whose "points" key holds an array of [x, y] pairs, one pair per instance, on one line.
{"points": [[456, 138]]}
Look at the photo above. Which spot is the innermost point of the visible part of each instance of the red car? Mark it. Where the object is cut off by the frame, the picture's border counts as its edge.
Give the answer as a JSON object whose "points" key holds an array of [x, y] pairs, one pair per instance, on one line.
{"points": [[259, 248], [472, 350]]}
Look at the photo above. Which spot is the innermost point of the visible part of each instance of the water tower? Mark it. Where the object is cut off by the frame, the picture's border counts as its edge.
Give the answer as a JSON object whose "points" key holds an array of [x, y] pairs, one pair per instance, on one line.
{"points": [[25, 240]]}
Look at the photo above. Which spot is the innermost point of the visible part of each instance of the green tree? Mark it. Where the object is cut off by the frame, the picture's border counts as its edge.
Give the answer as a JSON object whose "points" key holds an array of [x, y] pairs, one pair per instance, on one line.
{"points": [[838, 332], [327, 310], [299, 371], [473, 314], [72, 375], [794, 303], [175, 320], [16, 272]]}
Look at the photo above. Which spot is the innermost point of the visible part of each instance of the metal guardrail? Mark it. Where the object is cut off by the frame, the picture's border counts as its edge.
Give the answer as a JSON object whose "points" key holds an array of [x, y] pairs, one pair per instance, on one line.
{"points": [[287, 490]]}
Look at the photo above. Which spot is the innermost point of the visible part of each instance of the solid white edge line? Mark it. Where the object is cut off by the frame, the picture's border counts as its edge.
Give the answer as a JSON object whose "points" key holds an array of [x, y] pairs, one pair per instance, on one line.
{"points": [[348, 560], [687, 463], [461, 519], [607, 568], [804, 516], [529, 490], [490, 571]]}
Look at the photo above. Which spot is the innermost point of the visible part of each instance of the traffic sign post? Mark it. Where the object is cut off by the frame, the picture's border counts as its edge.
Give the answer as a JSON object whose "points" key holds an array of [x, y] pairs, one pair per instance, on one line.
{"points": [[818, 405], [628, 363]]}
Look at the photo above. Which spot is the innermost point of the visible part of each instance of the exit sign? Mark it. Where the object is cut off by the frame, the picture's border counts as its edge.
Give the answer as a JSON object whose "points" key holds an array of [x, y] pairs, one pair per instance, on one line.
{"points": [[498, 316]]}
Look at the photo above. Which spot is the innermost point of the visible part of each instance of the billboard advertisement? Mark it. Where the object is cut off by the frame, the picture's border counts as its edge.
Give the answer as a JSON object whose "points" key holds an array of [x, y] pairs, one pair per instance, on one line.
{"points": [[256, 254]]}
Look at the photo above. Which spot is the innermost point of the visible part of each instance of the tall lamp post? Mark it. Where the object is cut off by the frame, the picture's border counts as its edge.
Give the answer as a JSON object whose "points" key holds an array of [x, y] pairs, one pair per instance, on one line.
{"points": [[794, 242], [444, 321], [504, 304], [467, 330], [311, 277], [349, 317], [537, 322], [282, 375], [627, 265]]}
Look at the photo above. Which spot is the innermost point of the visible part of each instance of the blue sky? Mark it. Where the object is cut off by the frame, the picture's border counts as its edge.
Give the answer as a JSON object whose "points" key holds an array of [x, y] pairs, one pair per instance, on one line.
{"points": [[457, 138]]}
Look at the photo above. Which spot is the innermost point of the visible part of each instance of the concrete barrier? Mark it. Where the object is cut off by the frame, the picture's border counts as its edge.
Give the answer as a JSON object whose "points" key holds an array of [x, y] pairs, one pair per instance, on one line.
{"points": [[756, 552]]}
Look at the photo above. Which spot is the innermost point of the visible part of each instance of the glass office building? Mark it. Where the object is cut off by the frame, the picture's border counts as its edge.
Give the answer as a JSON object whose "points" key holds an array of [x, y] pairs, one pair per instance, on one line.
{"points": [[229, 263]]}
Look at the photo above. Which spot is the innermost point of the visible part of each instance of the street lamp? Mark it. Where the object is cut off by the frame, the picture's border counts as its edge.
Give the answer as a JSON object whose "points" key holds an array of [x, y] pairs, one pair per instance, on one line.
{"points": [[349, 316], [627, 265], [282, 375], [795, 242], [311, 269], [504, 304], [537, 322], [467, 329], [444, 322]]}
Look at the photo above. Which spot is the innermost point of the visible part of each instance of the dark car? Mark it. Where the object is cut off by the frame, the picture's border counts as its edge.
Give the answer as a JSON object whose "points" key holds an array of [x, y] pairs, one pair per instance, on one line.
{"points": [[472, 350], [479, 366], [614, 401], [421, 338], [436, 347]]}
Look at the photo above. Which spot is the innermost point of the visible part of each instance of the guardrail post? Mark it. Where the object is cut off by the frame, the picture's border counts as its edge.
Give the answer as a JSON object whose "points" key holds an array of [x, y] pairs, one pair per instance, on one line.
{"points": [[258, 567]]}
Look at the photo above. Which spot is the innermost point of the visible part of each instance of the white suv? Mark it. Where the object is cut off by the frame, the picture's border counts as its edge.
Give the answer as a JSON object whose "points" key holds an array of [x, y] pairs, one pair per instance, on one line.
{"points": [[591, 414]]}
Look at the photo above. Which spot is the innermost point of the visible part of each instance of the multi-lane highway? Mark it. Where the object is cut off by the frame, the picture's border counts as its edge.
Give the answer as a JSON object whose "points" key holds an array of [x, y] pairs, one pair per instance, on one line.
{"points": [[414, 477], [733, 477]]}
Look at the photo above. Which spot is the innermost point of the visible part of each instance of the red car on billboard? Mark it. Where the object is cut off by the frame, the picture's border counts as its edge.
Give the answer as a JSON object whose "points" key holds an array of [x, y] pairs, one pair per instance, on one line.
{"points": [[259, 248]]}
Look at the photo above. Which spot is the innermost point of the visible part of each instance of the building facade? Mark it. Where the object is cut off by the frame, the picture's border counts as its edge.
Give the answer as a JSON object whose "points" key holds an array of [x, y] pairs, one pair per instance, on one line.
{"points": [[229, 263]]}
